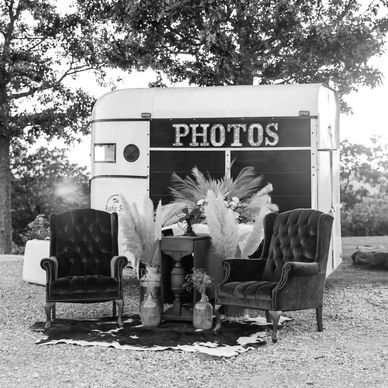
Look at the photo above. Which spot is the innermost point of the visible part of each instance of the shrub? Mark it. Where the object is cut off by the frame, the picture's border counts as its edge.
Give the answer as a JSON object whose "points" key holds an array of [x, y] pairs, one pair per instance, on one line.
{"points": [[367, 218]]}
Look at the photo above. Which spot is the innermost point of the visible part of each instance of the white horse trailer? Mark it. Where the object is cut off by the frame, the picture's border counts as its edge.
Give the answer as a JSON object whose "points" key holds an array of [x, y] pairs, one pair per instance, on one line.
{"points": [[289, 133]]}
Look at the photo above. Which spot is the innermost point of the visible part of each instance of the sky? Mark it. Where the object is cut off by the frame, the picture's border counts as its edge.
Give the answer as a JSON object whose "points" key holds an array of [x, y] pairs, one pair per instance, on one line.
{"points": [[369, 107]]}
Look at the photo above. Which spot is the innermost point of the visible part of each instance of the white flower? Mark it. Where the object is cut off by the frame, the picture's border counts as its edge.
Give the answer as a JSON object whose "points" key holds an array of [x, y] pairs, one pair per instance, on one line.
{"points": [[201, 202], [235, 200]]}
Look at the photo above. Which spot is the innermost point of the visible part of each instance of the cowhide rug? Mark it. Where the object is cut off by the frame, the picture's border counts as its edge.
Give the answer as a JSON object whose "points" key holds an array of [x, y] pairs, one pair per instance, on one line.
{"points": [[234, 337]]}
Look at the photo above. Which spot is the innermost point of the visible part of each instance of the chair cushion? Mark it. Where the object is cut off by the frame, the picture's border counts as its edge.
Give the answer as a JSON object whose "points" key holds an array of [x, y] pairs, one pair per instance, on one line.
{"points": [[246, 293], [85, 287]]}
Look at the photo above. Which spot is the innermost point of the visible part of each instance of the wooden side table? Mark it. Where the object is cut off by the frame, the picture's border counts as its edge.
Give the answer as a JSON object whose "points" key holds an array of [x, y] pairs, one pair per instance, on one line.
{"points": [[178, 247]]}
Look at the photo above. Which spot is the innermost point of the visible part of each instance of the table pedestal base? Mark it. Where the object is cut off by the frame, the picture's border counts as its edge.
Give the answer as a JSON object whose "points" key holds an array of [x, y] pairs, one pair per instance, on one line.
{"points": [[178, 247]]}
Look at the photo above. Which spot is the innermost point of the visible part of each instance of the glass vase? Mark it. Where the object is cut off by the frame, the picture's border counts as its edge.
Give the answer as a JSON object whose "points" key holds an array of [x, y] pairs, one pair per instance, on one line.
{"points": [[150, 311], [150, 283], [203, 314], [154, 289]]}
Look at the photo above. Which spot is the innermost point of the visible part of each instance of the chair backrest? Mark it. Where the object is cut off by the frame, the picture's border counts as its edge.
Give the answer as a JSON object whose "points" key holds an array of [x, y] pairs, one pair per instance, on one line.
{"points": [[296, 235], [83, 241]]}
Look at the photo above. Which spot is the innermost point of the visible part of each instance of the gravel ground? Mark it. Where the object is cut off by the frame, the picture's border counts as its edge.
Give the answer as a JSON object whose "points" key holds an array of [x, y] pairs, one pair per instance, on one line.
{"points": [[352, 351]]}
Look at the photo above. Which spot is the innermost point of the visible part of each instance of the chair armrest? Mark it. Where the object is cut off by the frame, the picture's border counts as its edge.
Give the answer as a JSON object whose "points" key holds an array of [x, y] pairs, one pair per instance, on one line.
{"points": [[50, 265], [117, 264], [309, 276], [243, 269], [301, 269], [296, 268]]}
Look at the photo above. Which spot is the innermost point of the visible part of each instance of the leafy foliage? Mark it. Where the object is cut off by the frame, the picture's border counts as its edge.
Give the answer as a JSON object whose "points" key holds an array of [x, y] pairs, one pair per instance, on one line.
{"points": [[224, 42], [363, 171], [369, 217], [40, 228], [43, 47], [364, 188], [44, 182]]}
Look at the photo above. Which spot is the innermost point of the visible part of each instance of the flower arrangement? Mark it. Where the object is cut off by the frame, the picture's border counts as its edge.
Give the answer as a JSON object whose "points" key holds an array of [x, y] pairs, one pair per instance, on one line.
{"points": [[198, 280], [238, 209], [142, 231], [241, 195], [223, 204], [190, 190]]}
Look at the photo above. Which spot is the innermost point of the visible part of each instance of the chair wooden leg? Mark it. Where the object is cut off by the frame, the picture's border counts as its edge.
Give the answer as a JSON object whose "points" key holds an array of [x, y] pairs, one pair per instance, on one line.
{"points": [[120, 306], [275, 316], [49, 307], [217, 314], [114, 312], [54, 311], [268, 317], [319, 318]]}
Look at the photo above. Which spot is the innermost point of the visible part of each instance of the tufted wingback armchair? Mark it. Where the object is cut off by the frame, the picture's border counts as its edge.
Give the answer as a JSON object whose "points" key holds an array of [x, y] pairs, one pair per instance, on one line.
{"points": [[84, 266], [289, 275]]}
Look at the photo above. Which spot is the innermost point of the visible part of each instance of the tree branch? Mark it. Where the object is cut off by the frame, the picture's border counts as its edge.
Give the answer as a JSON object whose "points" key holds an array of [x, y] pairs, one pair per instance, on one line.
{"points": [[69, 72], [35, 45], [27, 93], [74, 70]]}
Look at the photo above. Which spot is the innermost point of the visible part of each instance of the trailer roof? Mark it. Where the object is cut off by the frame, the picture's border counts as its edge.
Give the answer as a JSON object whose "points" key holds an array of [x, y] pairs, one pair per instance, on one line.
{"points": [[216, 101]]}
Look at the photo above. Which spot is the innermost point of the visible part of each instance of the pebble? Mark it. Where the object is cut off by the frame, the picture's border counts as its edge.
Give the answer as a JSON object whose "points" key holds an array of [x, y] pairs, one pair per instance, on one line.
{"points": [[352, 346]]}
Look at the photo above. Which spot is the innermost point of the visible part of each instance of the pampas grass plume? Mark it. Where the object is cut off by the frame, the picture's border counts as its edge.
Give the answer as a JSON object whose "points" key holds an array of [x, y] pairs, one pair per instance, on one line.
{"points": [[142, 231], [223, 227]]}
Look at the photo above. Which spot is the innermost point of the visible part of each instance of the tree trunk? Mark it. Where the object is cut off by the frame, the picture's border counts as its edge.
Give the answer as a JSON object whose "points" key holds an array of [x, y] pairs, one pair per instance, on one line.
{"points": [[5, 198]]}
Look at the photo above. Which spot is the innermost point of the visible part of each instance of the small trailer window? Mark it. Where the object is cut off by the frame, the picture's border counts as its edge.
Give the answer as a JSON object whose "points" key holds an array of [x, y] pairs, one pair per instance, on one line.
{"points": [[131, 153], [105, 153]]}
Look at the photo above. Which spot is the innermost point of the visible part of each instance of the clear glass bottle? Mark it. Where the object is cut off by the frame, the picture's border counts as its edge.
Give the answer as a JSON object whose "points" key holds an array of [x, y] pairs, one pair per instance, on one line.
{"points": [[203, 314], [150, 311]]}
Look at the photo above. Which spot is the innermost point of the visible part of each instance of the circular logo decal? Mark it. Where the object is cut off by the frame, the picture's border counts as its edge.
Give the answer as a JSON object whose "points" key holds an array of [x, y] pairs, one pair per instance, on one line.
{"points": [[114, 204]]}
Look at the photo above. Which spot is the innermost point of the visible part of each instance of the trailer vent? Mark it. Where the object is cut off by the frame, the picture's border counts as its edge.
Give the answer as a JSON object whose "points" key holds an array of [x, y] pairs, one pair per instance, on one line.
{"points": [[146, 115], [304, 113]]}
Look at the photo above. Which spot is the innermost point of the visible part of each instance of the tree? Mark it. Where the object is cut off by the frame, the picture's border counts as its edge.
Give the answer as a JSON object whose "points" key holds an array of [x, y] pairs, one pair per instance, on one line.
{"points": [[354, 160], [230, 42], [44, 182], [41, 50], [363, 171], [364, 188]]}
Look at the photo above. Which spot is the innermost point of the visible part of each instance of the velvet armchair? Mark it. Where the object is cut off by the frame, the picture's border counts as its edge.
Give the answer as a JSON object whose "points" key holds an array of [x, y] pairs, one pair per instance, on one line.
{"points": [[289, 275], [84, 266]]}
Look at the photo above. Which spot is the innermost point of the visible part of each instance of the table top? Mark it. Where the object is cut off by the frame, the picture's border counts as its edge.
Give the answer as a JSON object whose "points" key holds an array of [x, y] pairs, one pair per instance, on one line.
{"points": [[181, 243]]}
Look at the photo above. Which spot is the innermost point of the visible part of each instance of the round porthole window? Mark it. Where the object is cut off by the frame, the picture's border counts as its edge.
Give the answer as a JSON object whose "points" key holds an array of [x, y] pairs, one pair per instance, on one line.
{"points": [[131, 153]]}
